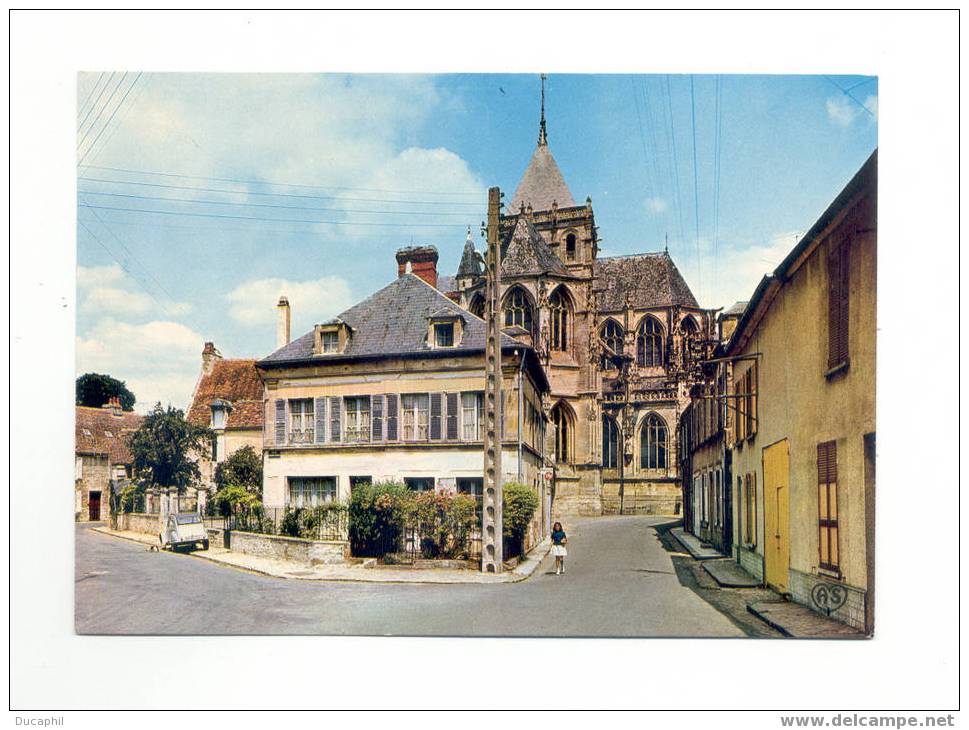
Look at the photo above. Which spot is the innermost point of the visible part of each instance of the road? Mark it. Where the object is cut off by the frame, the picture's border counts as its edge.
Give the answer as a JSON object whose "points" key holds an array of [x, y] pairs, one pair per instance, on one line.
{"points": [[619, 581]]}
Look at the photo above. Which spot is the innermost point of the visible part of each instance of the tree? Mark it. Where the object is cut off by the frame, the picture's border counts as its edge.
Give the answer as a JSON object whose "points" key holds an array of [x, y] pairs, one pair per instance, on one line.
{"points": [[519, 505], [163, 449], [94, 390], [242, 469]]}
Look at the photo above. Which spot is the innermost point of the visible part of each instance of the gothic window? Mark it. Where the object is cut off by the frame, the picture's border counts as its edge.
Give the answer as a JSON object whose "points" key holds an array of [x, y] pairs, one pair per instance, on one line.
{"points": [[689, 329], [653, 443], [570, 247], [477, 306], [560, 315], [649, 344], [563, 433], [610, 443], [518, 310], [612, 339]]}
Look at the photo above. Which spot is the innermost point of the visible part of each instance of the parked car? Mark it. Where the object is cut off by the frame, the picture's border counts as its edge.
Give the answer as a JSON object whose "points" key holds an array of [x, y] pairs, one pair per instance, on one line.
{"points": [[184, 530]]}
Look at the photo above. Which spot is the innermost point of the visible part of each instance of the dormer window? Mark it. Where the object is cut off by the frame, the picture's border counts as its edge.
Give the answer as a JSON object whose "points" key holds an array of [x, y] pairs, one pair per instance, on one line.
{"points": [[444, 334], [331, 338], [445, 329], [220, 413]]}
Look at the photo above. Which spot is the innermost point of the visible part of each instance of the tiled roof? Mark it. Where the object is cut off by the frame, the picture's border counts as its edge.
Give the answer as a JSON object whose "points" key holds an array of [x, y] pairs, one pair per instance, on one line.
{"points": [[393, 321], [527, 253], [542, 184], [236, 381], [648, 280], [91, 429]]}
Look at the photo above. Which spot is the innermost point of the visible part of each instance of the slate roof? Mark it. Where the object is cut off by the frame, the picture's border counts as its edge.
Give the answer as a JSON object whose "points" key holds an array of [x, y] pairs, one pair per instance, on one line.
{"points": [[649, 280], [470, 263], [734, 310], [393, 321], [236, 381], [91, 429], [447, 283], [527, 253], [542, 184]]}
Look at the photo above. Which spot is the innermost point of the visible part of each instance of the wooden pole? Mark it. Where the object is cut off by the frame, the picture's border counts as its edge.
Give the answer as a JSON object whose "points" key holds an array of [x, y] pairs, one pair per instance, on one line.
{"points": [[491, 523]]}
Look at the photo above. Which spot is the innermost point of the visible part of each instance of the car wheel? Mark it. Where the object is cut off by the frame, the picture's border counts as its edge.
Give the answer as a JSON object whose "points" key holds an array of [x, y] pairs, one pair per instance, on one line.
{"points": [[205, 544]]}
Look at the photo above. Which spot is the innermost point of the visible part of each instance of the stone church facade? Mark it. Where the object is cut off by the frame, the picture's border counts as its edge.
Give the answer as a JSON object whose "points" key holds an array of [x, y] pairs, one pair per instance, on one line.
{"points": [[617, 337]]}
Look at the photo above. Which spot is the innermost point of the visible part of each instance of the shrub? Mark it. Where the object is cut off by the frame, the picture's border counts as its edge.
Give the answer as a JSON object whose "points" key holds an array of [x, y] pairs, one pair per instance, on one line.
{"points": [[444, 522], [520, 503], [377, 513]]}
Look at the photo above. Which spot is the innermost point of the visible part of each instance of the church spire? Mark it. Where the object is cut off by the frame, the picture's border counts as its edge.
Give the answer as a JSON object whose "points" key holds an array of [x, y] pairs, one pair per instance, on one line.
{"points": [[542, 136]]}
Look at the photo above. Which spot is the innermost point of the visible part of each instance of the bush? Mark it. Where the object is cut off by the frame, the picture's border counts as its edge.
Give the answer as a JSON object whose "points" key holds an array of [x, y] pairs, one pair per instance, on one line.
{"points": [[520, 503], [444, 521], [377, 513]]}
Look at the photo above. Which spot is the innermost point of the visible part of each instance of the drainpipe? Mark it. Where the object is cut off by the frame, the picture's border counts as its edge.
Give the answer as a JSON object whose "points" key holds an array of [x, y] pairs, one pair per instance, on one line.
{"points": [[521, 396]]}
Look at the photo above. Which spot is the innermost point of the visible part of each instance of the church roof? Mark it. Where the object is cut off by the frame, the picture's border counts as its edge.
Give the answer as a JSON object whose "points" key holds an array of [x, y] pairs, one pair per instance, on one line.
{"points": [[527, 253], [646, 280], [542, 184], [470, 263]]}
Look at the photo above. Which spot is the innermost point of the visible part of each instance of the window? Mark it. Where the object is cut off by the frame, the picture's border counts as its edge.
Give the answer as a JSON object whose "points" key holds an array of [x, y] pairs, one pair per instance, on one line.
{"points": [[330, 342], [78, 467], [420, 484], [610, 443], [518, 311], [689, 329], [838, 286], [477, 306], [357, 416], [649, 344], [470, 485], [563, 434], [414, 416], [652, 443], [560, 311], [750, 508], [570, 247], [612, 336], [828, 554], [311, 491], [703, 499], [718, 499], [472, 416], [301, 421], [444, 334]]}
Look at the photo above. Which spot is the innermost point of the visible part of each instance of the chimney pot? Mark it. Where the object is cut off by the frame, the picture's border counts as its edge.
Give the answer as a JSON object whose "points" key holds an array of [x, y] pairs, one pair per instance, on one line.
{"points": [[420, 261], [282, 322], [209, 355]]}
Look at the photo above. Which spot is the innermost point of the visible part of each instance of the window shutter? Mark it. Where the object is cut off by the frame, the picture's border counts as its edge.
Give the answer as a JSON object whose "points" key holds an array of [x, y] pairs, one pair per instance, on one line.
{"points": [[838, 288], [320, 408], [845, 253], [435, 425], [391, 424], [377, 418], [827, 462], [453, 409], [280, 422], [335, 418]]}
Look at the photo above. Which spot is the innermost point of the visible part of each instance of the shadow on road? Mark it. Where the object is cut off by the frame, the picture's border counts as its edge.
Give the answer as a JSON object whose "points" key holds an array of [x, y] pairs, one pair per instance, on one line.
{"points": [[731, 602]]}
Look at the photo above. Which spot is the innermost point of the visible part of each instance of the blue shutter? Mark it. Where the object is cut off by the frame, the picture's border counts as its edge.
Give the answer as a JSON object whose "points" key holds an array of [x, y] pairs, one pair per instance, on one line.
{"points": [[391, 423], [452, 410], [280, 422], [336, 404], [320, 408], [435, 416], [377, 418]]}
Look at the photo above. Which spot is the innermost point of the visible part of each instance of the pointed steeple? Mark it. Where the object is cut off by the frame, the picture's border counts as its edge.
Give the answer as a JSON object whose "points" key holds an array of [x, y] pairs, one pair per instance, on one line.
{"points": [[470, 265], [542, 136]]}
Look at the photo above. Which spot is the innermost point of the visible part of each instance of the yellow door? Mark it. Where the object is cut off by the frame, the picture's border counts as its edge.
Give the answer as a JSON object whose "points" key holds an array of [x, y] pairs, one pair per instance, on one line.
{"points": [[777, 544]]}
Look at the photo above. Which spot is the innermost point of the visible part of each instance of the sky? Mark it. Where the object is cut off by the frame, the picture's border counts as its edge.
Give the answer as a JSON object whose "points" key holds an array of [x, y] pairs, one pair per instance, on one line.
{"points": [[203, 197]]}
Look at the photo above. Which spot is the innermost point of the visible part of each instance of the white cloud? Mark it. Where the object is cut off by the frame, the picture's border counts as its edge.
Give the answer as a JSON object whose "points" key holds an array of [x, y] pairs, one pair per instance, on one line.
{"points": [[109, 290], [734, 274], [253, 303], [843, 111], [656, 205], [159, 360]]}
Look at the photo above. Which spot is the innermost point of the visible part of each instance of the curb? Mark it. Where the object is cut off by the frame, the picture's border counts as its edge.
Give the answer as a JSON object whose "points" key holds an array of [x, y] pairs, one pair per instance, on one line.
{"points": [[769, 622]]}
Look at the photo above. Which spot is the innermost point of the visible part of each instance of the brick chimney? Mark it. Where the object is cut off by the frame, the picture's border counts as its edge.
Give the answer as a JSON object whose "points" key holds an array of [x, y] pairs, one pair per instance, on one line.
{"points": [[113, 405], [209, 356], [422, 260], [282, 322]]}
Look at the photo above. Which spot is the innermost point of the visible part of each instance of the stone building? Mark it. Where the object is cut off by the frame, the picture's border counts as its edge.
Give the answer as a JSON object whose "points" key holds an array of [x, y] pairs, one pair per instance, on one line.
{"points": [[392, 389], [613, 334], [803, 440], [228, 398], [101, 455]]}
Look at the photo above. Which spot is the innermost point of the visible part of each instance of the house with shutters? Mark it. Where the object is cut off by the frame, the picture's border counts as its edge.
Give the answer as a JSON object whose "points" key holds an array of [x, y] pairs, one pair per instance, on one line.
{"points": [[101, 456], [392, 389], [803, 422]]}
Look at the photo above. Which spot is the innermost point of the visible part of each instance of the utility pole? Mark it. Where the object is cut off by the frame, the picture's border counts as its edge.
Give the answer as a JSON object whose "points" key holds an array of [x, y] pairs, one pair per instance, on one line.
{"points": [[491, 524]]}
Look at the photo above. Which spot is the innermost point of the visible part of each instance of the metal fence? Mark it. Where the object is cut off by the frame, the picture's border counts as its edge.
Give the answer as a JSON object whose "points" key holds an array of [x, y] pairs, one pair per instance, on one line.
{"points": [[416, 540], [327, 522]]}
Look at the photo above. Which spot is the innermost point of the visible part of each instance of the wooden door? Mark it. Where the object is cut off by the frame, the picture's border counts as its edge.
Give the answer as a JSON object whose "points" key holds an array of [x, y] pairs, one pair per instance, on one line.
{"points": [[777, 545], [94, 506]]}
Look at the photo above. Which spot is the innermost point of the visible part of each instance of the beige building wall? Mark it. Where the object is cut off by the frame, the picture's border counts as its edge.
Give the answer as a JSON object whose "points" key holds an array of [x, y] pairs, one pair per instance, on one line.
{"points": [[800, 401]]}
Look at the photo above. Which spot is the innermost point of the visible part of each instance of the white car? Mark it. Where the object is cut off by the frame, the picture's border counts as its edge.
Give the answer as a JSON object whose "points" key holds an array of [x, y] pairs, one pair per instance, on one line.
{"points": [[184, 530]]}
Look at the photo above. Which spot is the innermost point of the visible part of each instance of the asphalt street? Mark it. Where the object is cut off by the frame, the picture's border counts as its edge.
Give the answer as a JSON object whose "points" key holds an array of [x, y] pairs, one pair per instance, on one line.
{"points": [[619, 581]]}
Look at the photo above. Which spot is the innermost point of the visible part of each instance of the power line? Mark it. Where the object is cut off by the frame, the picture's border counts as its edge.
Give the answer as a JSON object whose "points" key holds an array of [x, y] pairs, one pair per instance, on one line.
{"points": [[87, 98], [97, 117], [468, 193], [111, 118], [675, 170], [272, 205], [272, 220], [696, 190], [91, 108], [114, 129], [847, 93], [273, 195]]}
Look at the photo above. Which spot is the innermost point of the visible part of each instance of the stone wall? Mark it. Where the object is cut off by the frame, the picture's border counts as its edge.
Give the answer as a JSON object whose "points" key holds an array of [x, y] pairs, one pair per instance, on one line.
{"points": [[642, 498], [95, 477], [307, 552], [852, 612], [216, 537], [138, 522], [752, 563]]}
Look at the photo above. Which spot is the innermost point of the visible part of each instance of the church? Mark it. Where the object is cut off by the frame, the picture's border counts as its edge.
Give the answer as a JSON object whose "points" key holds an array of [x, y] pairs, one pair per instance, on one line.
{"points": [[619, 339]]}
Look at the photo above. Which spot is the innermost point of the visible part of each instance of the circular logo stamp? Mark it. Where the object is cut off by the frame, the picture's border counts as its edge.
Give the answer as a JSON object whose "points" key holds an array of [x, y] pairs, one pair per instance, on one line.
{"points": [[828, 596]]}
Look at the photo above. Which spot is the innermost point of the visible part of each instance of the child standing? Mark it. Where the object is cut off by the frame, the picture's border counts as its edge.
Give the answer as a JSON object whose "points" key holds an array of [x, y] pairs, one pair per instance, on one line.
{"points": [[558, 547]]}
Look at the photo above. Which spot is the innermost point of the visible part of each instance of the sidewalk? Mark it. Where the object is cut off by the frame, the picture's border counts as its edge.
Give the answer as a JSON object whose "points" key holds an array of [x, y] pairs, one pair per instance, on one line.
{"points": [[728, 574], [698, 550], [800, 622], [357, 573]]}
